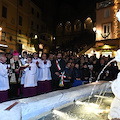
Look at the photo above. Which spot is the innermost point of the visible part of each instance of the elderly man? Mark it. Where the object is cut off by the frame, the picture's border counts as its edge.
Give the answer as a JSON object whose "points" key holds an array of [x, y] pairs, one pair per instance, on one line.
{"points": [[15, 77], [4, 82]]}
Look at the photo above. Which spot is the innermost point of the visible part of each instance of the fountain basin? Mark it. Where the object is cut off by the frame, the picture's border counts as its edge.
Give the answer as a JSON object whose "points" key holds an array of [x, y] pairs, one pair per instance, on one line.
{"points": [[28, 108]]}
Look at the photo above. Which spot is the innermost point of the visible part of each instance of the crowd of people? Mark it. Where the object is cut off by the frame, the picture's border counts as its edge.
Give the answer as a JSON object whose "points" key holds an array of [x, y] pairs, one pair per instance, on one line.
{"points": [[31, 75]]}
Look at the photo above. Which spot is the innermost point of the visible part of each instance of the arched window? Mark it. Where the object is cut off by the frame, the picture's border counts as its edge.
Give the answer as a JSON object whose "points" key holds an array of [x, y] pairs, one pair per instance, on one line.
{"points": [[59, 29], [68, 26], [77, 25], [88, 24]]}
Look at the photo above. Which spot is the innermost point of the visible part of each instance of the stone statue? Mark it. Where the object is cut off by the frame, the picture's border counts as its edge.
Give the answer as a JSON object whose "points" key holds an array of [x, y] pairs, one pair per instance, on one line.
{"points": [[115, 86]]}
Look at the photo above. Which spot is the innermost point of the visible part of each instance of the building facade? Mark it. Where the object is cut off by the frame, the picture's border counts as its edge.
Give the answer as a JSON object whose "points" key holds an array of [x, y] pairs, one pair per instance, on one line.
{"points": [[107, 28], [74, 33], [21, 23]]}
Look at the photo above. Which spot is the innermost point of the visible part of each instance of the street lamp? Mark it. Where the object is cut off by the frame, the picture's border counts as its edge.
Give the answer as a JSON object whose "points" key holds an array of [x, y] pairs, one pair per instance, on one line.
{"points": [[118, 15], [36, 37], [53, 38], [0, 28], [94, 29]]}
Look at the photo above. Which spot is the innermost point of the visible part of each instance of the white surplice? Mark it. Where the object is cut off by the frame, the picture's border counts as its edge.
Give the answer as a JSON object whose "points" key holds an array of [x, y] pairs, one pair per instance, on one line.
{"points": [[30, 76], [4, 81], [35, 60], [23, 61], [44, 71]]}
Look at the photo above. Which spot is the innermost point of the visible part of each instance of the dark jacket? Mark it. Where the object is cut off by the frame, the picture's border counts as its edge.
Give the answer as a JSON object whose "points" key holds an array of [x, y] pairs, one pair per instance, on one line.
{"points": [[69, 73], [55, 69], [77, 73], [109, 74], [85, 73]]}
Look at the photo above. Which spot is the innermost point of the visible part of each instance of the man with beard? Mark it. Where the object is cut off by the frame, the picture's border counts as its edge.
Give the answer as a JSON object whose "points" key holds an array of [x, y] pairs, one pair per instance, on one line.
{"points": [[57, 68]]}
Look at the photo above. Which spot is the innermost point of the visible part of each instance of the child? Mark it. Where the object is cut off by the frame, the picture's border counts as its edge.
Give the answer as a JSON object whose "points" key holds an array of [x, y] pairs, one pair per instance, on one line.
{"points": [[77, 75], [30, 81]]}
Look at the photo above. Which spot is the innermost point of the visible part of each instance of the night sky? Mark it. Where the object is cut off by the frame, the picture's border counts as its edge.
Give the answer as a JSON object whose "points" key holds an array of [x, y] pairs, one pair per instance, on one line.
{"points": [[57, 11]]}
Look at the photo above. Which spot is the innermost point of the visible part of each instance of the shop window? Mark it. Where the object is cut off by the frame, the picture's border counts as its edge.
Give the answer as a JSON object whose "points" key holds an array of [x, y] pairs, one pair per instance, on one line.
{"points": [[3, 36], [4, 12]]}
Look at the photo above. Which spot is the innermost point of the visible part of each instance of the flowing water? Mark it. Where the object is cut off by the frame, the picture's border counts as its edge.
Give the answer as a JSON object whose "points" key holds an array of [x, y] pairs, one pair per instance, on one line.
{"points": [[98, 80], [94, 108], [82, 110]]}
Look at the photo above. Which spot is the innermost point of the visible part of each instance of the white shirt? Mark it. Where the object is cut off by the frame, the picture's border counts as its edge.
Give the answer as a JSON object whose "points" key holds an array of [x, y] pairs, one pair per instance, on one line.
{"points": [[4, 81], [44, 73], [23, 61], [31, 76], [34, 60]]}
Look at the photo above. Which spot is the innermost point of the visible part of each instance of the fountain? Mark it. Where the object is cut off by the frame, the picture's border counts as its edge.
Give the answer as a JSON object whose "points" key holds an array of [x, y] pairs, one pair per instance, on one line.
{"points": [[36, 107]]}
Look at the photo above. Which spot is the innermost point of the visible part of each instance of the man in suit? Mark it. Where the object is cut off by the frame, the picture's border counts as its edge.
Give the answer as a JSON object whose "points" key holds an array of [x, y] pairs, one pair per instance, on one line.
{"points": [[58, 66]]}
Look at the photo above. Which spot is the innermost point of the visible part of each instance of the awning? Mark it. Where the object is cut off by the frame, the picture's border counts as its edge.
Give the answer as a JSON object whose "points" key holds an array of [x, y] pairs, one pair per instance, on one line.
{"points": [[106, 47]]}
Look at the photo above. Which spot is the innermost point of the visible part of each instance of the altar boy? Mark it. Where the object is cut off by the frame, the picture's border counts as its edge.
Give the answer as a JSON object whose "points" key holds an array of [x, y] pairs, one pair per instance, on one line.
{"points": [[4, 82], [30, 81]]}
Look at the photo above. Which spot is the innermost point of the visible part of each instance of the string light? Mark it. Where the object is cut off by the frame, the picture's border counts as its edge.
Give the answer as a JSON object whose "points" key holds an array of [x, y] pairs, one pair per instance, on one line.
{"points": [[115, 8]]}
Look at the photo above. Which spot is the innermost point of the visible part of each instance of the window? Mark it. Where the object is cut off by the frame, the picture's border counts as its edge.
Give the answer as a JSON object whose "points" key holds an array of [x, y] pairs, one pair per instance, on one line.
{"points": [[4, 12], [3, 36], [107, 30], [32, 23], [20, 20], [68, 26], [77, 25], [21, 2], [19, 31], [106, 13], [32, 10], [19, 40], [11, 38], [37, 14], [37, 27]]}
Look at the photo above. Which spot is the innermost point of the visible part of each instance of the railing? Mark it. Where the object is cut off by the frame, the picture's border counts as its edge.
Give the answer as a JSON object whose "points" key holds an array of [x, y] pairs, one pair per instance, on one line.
{"points": [[86, 48]]}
